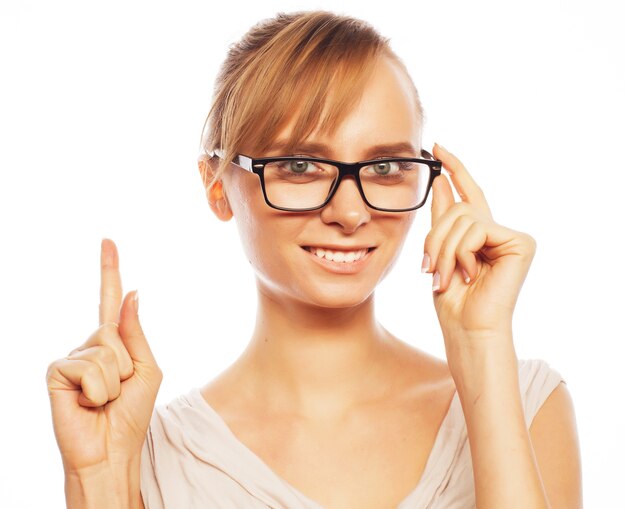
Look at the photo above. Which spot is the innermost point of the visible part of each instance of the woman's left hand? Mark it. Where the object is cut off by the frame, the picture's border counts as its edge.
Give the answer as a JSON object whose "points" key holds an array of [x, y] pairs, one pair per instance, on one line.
{"points": [[478, 266]]}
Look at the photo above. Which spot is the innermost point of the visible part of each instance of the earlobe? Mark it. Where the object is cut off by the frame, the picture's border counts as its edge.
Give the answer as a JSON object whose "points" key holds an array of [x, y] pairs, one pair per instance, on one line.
{"points": [[218, 201], [215, 192]]}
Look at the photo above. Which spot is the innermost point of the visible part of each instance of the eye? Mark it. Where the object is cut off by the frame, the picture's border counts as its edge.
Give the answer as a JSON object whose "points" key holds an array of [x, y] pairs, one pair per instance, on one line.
{"points": [[385, 167], [299, 166]]}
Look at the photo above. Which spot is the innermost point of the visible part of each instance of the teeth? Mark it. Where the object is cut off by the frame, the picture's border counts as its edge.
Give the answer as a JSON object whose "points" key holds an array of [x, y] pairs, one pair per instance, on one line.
{"points": [[335, 257], [338, 256]]}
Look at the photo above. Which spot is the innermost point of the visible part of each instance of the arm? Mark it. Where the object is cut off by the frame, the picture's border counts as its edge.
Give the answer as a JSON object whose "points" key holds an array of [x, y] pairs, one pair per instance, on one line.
{"points": [[512, 467], [478, 270], [555, 442]]}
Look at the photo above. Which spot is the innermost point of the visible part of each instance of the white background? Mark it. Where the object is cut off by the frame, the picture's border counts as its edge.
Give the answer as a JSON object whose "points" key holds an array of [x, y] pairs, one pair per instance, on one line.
{"points": [[101, 108]]}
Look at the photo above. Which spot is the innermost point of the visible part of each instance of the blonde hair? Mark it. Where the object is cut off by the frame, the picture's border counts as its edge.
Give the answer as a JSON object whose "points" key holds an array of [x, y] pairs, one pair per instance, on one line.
{"points": [[310, 64]]}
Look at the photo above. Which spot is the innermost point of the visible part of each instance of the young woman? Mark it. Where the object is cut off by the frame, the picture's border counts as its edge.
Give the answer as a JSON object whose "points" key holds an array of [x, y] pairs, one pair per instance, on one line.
{"points": [[313, 145]]}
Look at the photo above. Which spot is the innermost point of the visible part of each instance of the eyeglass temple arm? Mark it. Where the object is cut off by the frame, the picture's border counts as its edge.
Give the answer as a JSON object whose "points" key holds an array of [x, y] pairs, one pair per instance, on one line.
{"points": [[427, 155], [244, 161]]}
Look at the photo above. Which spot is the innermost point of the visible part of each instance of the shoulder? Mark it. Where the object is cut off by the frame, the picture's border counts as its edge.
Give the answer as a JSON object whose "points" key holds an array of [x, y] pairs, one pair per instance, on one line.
{"points": [[550, 411], [537, 381], [419, 369]]}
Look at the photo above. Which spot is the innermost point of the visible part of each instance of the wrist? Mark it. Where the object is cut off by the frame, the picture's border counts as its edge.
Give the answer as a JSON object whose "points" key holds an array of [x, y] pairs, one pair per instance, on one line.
{"points": [[478, 359], [106, 485]]}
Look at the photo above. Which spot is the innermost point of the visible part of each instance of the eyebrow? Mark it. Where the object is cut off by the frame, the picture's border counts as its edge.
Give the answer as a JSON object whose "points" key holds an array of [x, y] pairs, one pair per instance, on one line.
{"points": [[403, 148]]}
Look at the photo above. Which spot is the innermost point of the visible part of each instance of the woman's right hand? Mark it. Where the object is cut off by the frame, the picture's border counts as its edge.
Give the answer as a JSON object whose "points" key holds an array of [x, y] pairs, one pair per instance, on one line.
{"points": [[103, 393]]}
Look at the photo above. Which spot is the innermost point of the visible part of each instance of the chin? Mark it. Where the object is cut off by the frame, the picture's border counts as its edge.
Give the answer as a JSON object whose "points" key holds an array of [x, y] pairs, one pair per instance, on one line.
{"points": [[337, 296]]}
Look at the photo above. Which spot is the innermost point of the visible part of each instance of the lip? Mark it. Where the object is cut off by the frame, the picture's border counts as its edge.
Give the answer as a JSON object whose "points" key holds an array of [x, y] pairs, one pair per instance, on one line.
{"points": [[342, 267], [336, 247]]}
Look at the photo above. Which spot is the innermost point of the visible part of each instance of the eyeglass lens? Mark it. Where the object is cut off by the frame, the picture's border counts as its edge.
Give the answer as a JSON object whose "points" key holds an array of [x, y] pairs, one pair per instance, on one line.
{"points": [[306, 184]]}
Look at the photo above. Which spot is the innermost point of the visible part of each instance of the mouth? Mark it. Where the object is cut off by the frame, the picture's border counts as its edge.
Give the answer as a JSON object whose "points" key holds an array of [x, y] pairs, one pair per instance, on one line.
{"points": [[346, 256]]}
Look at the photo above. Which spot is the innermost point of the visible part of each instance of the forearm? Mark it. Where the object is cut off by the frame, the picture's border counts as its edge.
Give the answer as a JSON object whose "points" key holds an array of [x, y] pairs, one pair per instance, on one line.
{"points": [[105, 487], [505, 470]]}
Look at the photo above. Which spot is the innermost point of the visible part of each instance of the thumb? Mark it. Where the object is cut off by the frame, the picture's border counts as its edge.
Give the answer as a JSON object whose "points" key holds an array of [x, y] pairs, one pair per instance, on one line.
{"points": [[132, 334]]}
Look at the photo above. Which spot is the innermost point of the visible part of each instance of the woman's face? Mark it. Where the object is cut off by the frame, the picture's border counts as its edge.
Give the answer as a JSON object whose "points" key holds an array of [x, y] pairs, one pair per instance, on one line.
{"points": [[276, 242]]}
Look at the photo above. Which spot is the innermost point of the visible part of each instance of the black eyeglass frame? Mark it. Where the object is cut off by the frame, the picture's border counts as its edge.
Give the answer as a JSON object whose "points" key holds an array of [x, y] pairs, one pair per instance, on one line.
{"points": [[257, 166]]}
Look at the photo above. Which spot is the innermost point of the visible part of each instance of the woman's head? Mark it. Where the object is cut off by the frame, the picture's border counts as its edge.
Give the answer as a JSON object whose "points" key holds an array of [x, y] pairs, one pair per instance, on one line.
{"points": [[307, 69], [318, 85]]}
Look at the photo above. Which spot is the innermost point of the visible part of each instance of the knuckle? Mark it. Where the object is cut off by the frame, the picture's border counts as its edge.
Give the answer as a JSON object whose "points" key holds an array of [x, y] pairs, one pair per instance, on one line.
{"points": [[157, 375], [474, 227], [429, 240], [433, 252], [93, 395], [52, 368], [104, 335], [157, 372], [105, 354], [464, 220], [462, 208], [107, 332], [92, 371], [116, 392], [96, 338], [531, 242], [446, 251]]}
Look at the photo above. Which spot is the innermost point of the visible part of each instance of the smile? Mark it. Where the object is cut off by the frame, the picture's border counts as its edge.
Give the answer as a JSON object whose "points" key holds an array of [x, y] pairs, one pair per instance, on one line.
{"points": [[333, 255]]}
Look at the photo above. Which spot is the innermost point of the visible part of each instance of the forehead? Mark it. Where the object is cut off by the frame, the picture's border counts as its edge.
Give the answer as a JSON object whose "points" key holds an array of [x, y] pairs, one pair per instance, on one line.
{"points": [[387, 113]]}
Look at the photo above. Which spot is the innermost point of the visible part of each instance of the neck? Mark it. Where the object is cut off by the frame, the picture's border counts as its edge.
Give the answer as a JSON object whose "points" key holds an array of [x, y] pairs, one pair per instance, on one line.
{"points": [[314, 361]]}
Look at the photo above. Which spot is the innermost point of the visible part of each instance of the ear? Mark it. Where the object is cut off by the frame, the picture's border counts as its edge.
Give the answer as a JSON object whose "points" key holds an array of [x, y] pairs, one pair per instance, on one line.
{"points": [[215, 192]]}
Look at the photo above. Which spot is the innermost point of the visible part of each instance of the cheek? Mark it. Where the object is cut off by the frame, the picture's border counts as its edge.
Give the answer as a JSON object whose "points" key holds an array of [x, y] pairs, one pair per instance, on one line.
{"points": [[271, 248], [267, 235], [253, 232], [397, 226], [397, 231], [246, 202]]}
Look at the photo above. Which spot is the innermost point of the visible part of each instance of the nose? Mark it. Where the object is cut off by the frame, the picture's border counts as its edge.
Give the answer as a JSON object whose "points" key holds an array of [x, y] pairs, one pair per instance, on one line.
{"points": [[346, 208]]}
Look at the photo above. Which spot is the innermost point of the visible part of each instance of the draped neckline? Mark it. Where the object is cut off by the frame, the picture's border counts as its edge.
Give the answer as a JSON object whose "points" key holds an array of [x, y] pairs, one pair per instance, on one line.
{"points": [[438, 463]]}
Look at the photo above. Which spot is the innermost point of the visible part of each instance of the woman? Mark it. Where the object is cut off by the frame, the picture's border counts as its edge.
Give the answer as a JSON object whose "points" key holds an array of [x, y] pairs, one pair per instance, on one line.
{"points": [[313, 145]]}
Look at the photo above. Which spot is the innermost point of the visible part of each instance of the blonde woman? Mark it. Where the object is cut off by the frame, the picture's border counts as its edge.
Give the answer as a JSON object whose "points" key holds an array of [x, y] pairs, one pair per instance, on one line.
{"points": [[313, 146]]}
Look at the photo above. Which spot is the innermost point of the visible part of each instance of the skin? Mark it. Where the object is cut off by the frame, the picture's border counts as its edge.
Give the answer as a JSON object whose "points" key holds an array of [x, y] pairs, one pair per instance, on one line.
{"points": [[339, 398], [318, 353]]}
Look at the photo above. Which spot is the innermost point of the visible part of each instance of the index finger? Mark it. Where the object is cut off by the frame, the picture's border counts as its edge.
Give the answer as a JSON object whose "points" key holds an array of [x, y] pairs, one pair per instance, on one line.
{"points": [[465, 185], [110, 283]]}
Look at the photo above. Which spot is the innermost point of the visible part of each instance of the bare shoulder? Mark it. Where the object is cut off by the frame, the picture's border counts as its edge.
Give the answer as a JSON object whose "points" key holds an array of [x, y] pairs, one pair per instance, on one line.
{"points": [[420, 364], [226, 396], [555, 441], [422, 378]]}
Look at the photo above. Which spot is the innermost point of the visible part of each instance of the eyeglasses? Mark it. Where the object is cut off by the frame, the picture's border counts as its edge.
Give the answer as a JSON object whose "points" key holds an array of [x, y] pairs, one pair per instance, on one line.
{"points": [[299, 184]]}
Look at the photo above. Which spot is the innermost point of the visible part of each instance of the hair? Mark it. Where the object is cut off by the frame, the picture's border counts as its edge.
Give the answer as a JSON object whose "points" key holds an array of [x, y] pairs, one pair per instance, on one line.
{"points": [[310, 64]]}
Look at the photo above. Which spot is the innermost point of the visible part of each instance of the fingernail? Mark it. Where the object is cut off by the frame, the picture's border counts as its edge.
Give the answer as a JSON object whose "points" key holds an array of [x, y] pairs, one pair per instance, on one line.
{"points": [[436, 281], [441, 147], [425, 263], [136, 301], [466, 276]]}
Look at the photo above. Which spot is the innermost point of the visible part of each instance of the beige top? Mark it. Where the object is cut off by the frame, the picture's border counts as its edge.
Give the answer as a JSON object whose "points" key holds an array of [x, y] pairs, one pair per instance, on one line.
{"points": [[191, 459]]}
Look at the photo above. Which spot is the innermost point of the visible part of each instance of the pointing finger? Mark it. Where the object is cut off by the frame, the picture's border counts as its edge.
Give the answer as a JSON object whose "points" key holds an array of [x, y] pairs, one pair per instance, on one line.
{"points": [[110, 283]]}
